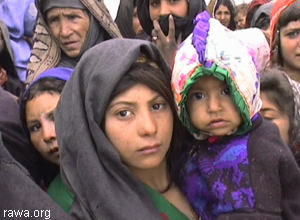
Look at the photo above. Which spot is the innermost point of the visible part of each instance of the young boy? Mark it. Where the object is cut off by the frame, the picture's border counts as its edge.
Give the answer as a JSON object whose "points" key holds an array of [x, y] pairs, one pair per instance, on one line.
{"points": [[237, 166]]}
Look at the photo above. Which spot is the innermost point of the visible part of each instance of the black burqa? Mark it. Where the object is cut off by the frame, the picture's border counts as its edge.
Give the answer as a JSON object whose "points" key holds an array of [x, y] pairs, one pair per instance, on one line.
{"points": [[13, 134], [104, 187]]}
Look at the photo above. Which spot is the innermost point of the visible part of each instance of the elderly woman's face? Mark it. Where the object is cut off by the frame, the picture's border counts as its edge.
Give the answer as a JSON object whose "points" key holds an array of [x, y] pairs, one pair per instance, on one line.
{"points": [[139, 123], [70, 27]]}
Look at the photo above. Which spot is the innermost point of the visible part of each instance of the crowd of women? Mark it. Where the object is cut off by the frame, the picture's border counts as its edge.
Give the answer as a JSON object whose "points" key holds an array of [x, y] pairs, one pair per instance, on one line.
{"points": [[150, 109]]}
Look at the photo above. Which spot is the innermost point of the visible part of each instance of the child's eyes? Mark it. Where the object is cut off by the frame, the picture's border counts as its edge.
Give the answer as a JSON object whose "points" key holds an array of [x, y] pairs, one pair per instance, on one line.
{"points": [[293, 34], [226, 91], [198, 95], [34, 127]]}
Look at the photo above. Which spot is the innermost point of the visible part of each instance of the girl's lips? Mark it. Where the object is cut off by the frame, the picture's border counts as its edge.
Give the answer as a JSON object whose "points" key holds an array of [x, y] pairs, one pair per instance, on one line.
{"points": [[149, 149]]}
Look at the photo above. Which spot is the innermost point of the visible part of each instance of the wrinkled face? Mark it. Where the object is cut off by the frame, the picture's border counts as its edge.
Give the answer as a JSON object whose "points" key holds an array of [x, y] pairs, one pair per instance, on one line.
{"points": [[139, 124], [159, 8], [211, 108], [290, 46], [240, 20], [137, 27], [40, 123], [271, 111], [223, 15], [70, 28]]}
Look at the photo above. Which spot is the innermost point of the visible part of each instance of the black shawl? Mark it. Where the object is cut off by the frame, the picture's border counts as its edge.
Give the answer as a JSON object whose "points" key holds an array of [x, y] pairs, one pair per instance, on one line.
{"points": [[19, 192], [104, 187]]}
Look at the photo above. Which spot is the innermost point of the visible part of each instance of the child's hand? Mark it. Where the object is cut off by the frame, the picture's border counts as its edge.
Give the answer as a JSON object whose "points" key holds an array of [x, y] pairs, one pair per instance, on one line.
{"points": [[167, 44]]}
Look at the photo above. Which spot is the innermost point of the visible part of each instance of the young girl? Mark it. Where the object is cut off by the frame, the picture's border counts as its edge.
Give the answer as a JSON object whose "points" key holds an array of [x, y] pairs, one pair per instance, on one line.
{"points": [[237, 167], [280, 104], [37, 106], [285, 37], [224, 11], [118, 133]]}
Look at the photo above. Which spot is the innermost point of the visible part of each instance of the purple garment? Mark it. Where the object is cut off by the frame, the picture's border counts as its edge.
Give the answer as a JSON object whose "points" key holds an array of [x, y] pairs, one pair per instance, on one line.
{"points": [[216, 179], [20, 18]]}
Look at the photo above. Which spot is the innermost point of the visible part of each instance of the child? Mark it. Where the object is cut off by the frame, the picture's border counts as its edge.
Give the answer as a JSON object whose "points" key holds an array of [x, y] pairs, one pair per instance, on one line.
{"points": [[37, 106], [280, 99], [237, 167]]}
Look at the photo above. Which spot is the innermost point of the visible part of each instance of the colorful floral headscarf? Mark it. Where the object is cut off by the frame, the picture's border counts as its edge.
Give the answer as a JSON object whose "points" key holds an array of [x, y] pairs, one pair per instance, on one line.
{"points": [[214, 50]]}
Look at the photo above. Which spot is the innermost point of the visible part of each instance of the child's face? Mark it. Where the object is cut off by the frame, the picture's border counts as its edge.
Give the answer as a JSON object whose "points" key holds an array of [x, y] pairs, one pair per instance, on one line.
{"points": [[272, 112], [211, 108], [40, 123], [290, 50]]}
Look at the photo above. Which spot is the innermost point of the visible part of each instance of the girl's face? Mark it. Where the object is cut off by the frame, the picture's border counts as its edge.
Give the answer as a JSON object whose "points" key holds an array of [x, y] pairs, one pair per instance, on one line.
{"points": [[159, 8], [139, 124], [211, 108], [69, 27], [40, 123], [290, 46], [270, 111], [223, 15]]}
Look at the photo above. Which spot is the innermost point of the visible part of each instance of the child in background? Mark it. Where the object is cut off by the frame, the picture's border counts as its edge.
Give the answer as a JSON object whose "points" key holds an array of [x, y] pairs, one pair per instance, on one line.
{"points": [[37, 106], [237, 166], [240, 15], [280, 105]]}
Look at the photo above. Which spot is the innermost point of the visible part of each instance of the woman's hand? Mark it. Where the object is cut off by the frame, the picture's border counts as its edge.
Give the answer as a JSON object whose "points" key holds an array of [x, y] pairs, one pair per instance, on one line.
{"points": [[167, 44]]}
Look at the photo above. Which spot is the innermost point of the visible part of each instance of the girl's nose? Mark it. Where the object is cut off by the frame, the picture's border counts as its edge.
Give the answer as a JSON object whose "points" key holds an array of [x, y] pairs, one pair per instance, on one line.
{"points": [[147, 124], [49, 133], [164, 8]]}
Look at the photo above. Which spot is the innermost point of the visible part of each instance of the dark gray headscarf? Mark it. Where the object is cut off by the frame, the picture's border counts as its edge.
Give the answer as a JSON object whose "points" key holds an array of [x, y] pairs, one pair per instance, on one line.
{"points": [[49, 4], [263, 12], [96, 33], [104, 187]]}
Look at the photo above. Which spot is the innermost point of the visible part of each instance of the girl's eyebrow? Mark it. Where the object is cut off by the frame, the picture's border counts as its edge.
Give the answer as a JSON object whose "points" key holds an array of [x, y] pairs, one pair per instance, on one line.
{"points": [[128, 103]]}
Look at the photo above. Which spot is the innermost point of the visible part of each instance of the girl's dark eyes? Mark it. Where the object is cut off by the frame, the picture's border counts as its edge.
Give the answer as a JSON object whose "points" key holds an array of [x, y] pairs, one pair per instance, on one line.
{"points": [[123, 113], [158, 106], [34, 127], [154, 3]]}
